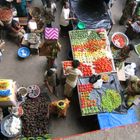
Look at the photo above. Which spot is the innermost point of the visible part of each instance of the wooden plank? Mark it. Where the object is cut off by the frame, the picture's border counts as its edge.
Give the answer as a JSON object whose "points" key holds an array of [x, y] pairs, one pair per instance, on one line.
{"points": [[121, 73]]}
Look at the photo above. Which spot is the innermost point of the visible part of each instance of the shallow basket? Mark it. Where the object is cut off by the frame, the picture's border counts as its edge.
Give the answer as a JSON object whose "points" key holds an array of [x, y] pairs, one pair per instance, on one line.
{"points": [[35, 12], [33, 89]]}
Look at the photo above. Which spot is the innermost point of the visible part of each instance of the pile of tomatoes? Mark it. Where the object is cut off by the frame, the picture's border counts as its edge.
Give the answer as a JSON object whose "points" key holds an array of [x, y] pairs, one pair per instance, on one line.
{"points": [[103, 65], [85, 87]]}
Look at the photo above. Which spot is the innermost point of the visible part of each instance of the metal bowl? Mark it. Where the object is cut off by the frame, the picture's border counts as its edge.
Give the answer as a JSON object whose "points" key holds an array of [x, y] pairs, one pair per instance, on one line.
{"points": [[123, 36]]}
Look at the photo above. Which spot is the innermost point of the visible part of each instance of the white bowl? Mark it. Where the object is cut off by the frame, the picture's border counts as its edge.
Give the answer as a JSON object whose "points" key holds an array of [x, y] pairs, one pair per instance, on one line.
{"points": [[22, 91], [123, 35]]}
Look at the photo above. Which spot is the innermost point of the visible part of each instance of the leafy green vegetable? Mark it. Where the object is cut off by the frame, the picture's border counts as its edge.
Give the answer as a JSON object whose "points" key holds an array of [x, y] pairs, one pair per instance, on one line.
{"points": [[138, 49], [111, 99]]}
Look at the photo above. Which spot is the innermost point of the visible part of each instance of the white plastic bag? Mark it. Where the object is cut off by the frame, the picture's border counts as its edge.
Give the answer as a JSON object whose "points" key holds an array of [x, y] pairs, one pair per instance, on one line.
{"points": [[98, 84]]}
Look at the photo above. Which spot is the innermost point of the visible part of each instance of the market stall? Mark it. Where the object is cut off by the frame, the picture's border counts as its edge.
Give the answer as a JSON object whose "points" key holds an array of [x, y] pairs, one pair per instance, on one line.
{"points": [[7, 93], [92, 49], [25, 109], [96, 100], [93, 13]]}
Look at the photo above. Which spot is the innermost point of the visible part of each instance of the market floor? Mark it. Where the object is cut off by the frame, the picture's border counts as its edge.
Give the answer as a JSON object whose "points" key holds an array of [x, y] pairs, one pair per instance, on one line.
{"points": [[30, 71]]}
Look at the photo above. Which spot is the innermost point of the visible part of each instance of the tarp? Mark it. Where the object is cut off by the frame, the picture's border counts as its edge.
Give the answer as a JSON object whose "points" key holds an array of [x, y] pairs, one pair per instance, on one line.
{"points": [[110, 120], [92, 13], [97, 93]]}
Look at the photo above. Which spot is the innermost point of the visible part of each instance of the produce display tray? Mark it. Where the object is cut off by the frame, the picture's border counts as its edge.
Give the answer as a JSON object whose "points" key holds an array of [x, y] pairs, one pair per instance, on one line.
{"points": [[90, 46], [90, 98]]}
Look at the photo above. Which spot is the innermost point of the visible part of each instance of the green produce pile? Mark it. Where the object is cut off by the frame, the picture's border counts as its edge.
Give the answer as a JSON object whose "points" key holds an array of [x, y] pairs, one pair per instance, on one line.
{"points": [[78, 34], [111, 100], [78, 41], [138, 49], [82, 36], [90, 110]]}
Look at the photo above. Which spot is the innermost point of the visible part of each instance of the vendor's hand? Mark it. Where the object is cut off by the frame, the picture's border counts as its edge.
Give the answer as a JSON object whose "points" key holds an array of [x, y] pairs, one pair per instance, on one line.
{"points": [[74, 18], [129, 21], [36, 31]]}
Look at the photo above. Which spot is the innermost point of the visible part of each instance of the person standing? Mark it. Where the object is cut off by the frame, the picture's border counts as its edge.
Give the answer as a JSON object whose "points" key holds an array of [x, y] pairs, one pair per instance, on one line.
{"points": [[128, 11], [133, 30], [65, 19], [54, 47], [21, 7], [51, 80], [49, 18], [49, 5], [72, 77], [50, 49]]}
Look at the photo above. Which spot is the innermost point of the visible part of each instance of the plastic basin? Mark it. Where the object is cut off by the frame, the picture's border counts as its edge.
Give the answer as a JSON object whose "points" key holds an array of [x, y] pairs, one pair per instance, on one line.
{"points": [[81, 25], [23, 52]]}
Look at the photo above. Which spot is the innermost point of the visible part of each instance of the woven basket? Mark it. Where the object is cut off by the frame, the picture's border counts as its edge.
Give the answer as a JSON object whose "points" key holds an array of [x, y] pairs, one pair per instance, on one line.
{"points": [[35, 12]]}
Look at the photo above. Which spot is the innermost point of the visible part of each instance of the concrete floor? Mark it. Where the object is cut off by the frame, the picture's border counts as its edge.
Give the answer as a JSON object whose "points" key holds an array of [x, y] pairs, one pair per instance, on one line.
{"points": [[30, 71]]}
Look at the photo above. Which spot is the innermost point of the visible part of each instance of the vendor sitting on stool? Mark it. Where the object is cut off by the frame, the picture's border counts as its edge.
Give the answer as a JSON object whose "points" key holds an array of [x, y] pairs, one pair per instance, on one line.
{"points": [[133, 30], [59, 107], [133, 87], [40, 26], [16, 30], [124, 53]]}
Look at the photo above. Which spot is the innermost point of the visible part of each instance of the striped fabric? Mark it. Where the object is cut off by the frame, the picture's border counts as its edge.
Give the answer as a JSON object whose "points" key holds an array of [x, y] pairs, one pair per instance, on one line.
{"points": [[51, 33]]}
